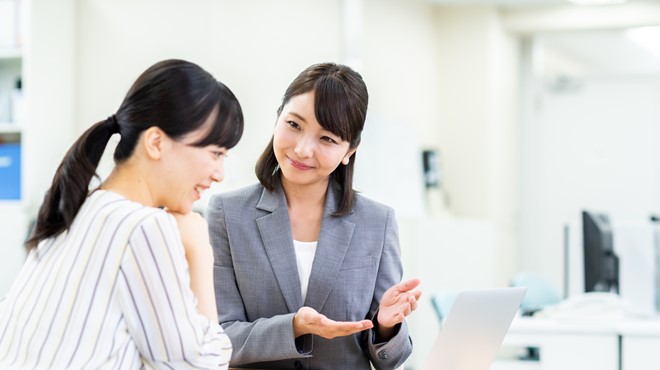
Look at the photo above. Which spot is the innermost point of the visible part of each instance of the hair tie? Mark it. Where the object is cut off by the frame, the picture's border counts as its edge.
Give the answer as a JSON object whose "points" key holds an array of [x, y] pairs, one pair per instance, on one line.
{"points": [[112, 124]]}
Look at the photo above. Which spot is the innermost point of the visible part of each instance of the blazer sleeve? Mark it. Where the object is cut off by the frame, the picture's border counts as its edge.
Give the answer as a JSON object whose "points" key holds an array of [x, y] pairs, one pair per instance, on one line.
{"points": [[264, 339], [393, 353]]}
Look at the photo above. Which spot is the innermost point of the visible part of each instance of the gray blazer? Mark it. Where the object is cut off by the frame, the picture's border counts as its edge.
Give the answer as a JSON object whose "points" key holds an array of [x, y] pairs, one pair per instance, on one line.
{"points": [[258, 289]]}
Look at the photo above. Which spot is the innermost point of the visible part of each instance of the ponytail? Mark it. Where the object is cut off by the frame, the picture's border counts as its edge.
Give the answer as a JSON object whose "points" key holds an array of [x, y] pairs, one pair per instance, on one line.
{"points": [[174, 95], [70, 185]]}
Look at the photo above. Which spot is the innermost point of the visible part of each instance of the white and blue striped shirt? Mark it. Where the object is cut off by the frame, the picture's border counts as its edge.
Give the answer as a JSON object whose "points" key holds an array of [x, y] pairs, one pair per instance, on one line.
{"points": [[111, 293]]}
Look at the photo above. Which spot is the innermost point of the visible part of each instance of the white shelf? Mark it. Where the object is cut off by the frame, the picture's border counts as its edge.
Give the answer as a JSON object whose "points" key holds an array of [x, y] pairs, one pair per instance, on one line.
{"points": [[10, 53], [10, 128], [8, 206]]}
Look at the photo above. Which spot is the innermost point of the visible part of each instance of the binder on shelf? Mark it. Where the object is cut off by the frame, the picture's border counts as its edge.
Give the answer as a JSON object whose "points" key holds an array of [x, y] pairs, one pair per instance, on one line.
{"points": [[10, 171]]}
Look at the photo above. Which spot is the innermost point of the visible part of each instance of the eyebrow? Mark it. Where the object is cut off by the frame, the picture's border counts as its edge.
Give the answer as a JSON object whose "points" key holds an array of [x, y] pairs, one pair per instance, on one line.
{"points": [[298, 116]]}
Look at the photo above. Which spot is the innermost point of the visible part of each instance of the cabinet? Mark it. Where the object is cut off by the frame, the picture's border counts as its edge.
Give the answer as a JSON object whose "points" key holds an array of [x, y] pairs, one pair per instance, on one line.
{"points": [[43, 54], [13, 121], [561, 345], [640, 343], [11, 124], [606, 343], [12, 102]]}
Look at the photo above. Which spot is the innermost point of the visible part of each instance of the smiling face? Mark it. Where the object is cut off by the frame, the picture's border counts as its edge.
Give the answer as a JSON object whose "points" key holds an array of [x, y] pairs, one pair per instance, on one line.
{"points": [[306, 152], [189, 170]]}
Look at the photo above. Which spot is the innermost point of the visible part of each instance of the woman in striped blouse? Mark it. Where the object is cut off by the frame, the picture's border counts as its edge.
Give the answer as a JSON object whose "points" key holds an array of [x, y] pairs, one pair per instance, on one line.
{"points": [[121, 278]]}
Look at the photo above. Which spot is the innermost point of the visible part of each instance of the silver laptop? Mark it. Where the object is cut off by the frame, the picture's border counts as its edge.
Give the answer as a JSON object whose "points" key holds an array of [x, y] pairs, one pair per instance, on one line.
{"points": [[474, 328]]}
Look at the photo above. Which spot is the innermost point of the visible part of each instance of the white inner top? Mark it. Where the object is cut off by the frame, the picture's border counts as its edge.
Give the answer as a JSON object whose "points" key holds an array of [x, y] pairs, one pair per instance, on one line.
{"points": [[305, 252]]}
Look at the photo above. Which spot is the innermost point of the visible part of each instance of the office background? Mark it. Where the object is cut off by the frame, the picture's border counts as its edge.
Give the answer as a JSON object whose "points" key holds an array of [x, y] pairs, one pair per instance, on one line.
{"points": [[536, 109]]}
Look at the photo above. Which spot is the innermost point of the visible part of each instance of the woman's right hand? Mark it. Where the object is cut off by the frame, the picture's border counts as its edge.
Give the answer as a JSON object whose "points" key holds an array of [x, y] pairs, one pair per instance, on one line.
{"points": [[308, 321]]}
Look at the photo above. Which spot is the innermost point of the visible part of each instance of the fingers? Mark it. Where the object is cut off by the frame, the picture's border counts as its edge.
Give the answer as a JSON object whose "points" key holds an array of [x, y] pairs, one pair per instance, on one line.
{"points": [[366, 324], [396, 310], [408, 285], [308, 320], [348, 327], [395, 294], [330, 329]]}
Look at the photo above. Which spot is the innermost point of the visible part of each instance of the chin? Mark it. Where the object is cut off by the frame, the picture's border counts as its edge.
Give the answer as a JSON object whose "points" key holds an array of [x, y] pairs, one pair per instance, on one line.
{"points": [[185, 209], [181, 208]]}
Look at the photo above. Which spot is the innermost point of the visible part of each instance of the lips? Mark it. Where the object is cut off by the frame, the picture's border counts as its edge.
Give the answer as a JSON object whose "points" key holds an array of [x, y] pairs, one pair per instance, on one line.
{"points": [[199, 190], [298, 165]]}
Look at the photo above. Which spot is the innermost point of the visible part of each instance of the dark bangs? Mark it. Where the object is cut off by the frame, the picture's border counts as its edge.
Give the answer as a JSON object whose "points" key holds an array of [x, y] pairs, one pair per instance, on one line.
{"points": [[178, 97], [228, 126], [337, 110]]}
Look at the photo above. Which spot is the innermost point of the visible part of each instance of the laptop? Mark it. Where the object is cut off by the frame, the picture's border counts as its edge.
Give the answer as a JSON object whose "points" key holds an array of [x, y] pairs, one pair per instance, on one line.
{"points": [[474, 328]]}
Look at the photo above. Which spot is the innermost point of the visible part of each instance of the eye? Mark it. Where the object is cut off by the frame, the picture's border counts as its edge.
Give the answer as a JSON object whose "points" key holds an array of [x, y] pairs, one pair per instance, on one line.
{"points": [[329, 140], [293, 125], [217, 154]]}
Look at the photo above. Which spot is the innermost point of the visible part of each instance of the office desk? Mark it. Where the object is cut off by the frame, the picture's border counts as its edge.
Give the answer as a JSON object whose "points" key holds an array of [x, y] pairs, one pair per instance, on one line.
{"points": [[562, 345], [606, 344], [640, 345]]}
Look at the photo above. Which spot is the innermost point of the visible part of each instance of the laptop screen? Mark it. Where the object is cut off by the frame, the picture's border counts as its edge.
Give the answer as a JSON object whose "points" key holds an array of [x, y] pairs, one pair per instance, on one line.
{"points": [[474, 328]]}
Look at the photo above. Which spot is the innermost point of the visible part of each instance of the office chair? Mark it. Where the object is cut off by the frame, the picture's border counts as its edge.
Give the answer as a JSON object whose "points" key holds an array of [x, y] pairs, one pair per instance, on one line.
{"points": [[442, 302], [540, 293]]}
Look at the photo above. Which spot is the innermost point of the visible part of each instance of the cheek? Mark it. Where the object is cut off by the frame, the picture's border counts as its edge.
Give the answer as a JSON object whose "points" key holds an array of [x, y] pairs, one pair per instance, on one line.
{"points": [[332, 158], [202, 166], [283, 138]]}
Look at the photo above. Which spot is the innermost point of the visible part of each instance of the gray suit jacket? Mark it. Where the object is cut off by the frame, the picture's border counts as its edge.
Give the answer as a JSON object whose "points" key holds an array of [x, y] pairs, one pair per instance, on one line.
{"points": [[258, 288]]}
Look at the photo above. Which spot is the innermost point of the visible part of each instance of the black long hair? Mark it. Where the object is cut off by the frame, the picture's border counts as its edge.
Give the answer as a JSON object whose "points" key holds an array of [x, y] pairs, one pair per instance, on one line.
{"points": [[340, 106], [174, 95]]}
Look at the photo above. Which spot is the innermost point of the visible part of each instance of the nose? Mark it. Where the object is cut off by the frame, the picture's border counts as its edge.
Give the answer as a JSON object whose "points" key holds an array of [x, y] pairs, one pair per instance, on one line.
{"points": [[304, 147], [219, 173]]}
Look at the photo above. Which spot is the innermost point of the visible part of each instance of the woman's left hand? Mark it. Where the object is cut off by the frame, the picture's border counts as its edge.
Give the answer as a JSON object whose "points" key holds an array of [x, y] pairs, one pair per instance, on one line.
{"points": [[194, 233], [397, 303]]}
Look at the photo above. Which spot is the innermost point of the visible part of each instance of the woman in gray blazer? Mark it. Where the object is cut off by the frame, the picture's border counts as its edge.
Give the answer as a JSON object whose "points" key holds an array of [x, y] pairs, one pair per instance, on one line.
{"points": [[307, 271]]}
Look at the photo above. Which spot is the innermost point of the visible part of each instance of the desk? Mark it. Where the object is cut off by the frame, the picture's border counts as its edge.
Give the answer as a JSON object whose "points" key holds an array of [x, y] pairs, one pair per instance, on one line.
{"points": [[583, 344], [640, 349]]}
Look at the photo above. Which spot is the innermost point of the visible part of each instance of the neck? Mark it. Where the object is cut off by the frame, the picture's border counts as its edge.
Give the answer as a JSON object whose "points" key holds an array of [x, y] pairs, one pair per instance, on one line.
{"points": [[311, 195], [130, 182]]}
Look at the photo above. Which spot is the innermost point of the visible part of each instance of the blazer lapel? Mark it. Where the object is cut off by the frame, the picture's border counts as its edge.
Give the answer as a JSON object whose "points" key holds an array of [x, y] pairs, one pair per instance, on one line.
{"points": [[334, 239], [275, 230]]}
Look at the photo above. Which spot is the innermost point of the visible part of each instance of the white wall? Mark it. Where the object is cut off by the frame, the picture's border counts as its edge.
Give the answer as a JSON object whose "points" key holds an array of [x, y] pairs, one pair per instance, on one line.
{"points": [[582, 147], [399, 59], [591, 147], [255, 47], [48, 67], [477, 103], [50, 92]]}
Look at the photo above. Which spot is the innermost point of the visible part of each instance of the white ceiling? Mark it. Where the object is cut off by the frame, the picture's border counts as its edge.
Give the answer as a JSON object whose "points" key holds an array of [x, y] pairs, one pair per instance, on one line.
{"points": [[503, 3], [518, 3], [602, 52]]}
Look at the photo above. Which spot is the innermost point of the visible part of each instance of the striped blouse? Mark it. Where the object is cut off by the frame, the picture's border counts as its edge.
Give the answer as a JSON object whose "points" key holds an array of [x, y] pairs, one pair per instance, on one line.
{"points": [[111, 293]]}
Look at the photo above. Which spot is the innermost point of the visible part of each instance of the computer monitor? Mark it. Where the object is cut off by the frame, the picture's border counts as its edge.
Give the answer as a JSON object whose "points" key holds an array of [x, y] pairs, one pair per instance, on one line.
{"points": [[601, 264]]}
